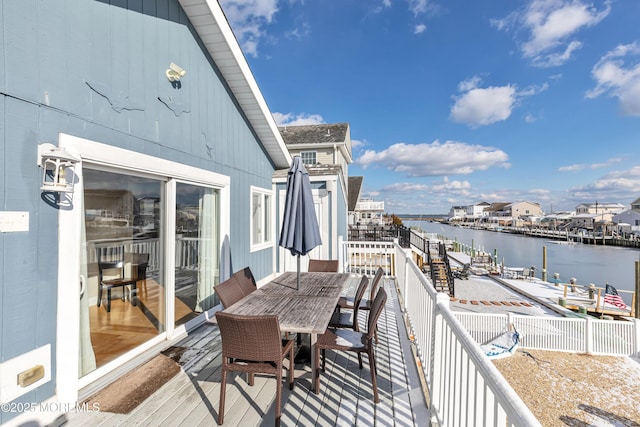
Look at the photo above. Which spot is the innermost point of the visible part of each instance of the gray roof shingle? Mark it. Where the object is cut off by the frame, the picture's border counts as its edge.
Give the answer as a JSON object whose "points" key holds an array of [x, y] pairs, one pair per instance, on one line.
{"points": [[314, 134]]}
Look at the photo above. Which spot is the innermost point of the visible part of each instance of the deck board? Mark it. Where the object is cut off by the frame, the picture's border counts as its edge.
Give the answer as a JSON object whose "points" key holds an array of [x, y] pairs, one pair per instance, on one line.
{"points": [[191, 398]]}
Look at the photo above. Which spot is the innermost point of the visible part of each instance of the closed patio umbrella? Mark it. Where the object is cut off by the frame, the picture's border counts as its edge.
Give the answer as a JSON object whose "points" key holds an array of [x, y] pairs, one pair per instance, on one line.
{"points": [[300, 232]]}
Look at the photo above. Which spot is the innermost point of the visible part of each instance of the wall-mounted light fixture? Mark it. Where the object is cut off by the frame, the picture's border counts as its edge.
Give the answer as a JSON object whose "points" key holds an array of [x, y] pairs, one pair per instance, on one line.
{"points": [[175, 72], [57, 166]]}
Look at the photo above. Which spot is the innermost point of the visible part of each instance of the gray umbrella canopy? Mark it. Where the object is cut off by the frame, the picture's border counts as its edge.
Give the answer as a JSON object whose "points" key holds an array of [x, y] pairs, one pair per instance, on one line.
{"points": [[300, 232]]}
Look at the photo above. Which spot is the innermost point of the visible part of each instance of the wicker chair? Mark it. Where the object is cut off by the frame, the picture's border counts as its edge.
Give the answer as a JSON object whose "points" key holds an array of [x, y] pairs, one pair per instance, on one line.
{"points": [[365, 304], [350, 319], [252, 344], [346, 340], [229, 292], [323, 265], [246, 280]]}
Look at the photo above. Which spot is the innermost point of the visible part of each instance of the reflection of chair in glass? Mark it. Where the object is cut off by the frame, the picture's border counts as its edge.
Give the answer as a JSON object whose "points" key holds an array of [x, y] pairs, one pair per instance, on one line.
{"points": [[112, 266], [347, 340], [141, 263], [323, 265], [252, 344]]}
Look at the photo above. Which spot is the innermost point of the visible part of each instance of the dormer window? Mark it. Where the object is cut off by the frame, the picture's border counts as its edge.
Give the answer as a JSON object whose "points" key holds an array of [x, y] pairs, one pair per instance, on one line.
{"points": [[308, 157]]}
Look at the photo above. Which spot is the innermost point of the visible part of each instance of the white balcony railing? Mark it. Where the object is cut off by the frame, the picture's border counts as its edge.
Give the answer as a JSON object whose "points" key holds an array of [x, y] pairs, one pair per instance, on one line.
{"points": [[464, 387], [370, 206]]}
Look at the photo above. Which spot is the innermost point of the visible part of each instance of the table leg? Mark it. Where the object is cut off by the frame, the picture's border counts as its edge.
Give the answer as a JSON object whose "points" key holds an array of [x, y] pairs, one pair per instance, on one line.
{"points": [[315, 364]]}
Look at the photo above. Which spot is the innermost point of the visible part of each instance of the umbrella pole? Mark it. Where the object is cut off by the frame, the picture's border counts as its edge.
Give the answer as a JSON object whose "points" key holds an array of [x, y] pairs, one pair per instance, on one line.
{"points": [[298, 280]]}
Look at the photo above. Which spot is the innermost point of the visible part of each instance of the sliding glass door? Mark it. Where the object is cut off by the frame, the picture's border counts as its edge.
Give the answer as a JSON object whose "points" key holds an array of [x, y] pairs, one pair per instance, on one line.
{"points": [[197, 250], [124, 222], [125, 292]]}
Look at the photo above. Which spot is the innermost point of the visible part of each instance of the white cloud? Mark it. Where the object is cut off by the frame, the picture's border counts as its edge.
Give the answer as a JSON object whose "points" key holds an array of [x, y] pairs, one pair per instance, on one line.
{"points": [[484, 106], [357, 144], [436, 159], [619, 80], [445, 189], [579, 167], [552, 26], [418, 6], [248, 19], [291, 119], [469, 84], [539, 191], [419, 29], [571, 168], [479, 106], [618, 185]]}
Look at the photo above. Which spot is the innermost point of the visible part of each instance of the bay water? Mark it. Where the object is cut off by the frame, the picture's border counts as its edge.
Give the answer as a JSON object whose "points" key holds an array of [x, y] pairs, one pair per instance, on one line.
{"points": [[586, 263]]}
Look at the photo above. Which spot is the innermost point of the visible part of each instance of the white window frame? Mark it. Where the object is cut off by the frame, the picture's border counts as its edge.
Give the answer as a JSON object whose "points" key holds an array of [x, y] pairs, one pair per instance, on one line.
{"points": [[106, 157], [269, 211], [315, 157]]}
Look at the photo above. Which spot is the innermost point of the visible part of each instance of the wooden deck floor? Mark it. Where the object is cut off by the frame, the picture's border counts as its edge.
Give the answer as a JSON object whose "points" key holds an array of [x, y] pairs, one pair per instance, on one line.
{"points": [[191, 398]]}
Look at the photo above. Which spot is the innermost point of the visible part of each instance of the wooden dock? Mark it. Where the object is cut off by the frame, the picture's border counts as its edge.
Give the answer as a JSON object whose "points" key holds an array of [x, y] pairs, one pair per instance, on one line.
{"points": [[191, 398]]}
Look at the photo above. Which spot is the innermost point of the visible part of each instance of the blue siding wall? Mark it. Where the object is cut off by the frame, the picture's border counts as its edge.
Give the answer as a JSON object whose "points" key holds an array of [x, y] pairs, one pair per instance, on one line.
{"points": [[96, 70]]}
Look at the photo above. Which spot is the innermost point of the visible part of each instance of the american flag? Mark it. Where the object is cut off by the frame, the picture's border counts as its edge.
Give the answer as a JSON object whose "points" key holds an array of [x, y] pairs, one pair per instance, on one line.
{"points": [[611, 296]]}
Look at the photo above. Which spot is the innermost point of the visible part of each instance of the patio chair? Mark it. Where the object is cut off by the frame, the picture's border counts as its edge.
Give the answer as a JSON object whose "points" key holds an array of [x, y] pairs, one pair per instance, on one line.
{"points": [[252, 344], [365, 304], [323, 266], [350, 320], [246, 280], [113, 267], [347, 340], [229, 292]]}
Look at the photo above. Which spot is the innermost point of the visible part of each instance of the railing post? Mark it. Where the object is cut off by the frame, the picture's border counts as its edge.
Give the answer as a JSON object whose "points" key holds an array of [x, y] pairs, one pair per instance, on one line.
{"points": [[407, 260], [438, 355], [341, 254], [636, 330], [588, 336]]}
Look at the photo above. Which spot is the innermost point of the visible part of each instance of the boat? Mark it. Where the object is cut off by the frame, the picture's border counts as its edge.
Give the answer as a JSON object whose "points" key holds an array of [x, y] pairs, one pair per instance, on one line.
{"points": [[504, 345], [562, 242]]}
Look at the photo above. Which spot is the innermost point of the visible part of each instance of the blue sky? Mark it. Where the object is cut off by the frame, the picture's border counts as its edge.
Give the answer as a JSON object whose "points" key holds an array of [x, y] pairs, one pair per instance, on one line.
{"points": [[453, 102]]}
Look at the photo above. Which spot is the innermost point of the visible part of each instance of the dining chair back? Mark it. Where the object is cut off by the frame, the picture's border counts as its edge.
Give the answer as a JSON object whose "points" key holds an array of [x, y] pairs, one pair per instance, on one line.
{"points": [[345, 340], [350, 319], [229, 292], [246, 280], [323, 266], [252, 344], [375, 284]]}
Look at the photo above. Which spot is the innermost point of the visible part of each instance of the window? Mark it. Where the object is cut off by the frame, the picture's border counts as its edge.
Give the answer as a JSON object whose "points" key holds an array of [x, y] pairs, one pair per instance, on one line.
{"points": [[308, 157], [261, 218]]}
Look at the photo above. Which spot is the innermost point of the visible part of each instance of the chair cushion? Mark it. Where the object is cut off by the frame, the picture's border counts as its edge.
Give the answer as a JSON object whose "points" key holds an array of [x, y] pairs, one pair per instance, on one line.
{"points": [[346, 339]]}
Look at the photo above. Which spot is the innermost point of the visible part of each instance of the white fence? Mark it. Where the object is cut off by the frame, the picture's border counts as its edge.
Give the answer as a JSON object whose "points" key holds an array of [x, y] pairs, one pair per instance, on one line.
{"points": [[600, 337], [365, 257], [465, 389]]}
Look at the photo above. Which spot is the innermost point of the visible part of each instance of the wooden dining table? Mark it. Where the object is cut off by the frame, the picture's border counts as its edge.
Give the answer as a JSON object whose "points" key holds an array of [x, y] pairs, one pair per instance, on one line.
{"points": [[306, 310]]}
